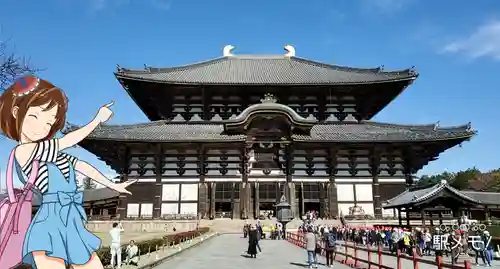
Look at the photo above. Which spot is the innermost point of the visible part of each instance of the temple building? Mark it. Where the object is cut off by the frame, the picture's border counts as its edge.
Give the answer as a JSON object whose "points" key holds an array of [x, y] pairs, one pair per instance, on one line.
{"points": [[228, 136]]}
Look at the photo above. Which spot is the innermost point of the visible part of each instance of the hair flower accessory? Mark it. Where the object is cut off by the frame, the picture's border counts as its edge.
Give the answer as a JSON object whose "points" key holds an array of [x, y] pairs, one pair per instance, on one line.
{"points": [[25, 85]]}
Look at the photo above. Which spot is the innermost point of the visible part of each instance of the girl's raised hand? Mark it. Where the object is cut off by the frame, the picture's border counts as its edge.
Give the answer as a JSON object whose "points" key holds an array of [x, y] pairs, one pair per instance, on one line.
{"points": [[104, 113]]}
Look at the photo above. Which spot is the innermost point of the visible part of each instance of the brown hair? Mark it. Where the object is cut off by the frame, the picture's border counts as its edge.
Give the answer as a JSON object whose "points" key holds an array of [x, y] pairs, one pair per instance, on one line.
{"points": [[45, 93]]}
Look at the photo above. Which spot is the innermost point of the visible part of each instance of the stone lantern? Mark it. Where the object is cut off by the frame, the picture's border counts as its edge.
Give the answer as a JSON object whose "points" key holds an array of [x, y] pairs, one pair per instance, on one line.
{"points": [[284, 213]]}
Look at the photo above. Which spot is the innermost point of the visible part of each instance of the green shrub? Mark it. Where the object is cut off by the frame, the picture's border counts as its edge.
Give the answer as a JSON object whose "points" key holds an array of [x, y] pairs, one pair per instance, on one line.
{"points": [[146, 245]]}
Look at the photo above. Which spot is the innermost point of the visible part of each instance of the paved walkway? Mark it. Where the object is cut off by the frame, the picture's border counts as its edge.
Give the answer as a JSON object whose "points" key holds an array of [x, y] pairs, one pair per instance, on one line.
{"points": [[167, 251], [227, 252]]}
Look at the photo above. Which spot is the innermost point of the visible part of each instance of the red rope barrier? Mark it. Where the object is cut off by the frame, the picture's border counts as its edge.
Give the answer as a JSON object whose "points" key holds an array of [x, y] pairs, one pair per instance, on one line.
{"points": [[355, 261], [415, 258], [379, 252], [369, 251], [398, 259]]}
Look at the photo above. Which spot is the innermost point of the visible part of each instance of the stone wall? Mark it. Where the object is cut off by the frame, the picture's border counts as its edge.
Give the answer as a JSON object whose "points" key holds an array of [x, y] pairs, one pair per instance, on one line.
{"points": [[136, 226]]}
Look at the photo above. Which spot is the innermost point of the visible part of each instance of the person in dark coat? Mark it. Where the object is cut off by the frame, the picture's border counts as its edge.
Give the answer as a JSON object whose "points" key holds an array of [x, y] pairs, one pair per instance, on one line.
{"points": [[253, 239]]}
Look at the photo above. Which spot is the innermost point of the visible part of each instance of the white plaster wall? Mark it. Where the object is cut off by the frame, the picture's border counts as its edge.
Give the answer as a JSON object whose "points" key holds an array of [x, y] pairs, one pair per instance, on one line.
{"points": [[388, 213], [345, 193], [169, 208], [364, 192], [344, 208], [189, 192], [189, 208], [146, 210], [132, 210], [170, 192], [367, 207]]}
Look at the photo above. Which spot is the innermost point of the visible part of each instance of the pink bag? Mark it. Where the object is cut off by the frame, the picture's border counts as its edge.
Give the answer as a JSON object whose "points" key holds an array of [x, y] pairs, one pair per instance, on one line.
{"points": [[15, 217]]}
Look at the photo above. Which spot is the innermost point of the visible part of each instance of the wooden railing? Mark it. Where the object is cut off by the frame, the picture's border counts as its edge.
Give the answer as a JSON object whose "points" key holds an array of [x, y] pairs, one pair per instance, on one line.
{"points": [[350, 255]]}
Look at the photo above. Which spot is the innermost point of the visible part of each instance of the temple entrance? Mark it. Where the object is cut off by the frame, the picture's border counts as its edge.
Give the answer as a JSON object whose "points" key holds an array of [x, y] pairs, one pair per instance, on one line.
{"points": [[223, 210], [267, 210], [312, 206]]}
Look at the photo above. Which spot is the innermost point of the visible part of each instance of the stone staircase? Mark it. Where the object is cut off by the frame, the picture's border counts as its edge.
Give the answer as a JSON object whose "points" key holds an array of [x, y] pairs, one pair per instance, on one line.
{"points": [[236, 225]]}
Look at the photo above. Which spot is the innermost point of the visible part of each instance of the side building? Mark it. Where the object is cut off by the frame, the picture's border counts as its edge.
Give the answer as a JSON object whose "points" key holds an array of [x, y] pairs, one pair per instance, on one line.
{"points": [[229, 136]]}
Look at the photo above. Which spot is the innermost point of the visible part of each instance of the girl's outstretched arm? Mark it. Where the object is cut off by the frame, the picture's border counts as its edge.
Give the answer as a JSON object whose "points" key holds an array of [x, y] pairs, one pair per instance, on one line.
{"points": [[73, 138], [94, 174]]}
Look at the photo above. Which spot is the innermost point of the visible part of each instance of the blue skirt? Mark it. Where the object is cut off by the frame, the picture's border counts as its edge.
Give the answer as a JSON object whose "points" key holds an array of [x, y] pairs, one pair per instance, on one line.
{"points": [[58, 229]]}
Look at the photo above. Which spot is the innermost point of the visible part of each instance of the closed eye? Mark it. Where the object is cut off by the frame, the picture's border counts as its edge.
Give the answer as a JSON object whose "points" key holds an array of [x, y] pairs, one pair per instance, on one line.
{"points": [[34, 116]]}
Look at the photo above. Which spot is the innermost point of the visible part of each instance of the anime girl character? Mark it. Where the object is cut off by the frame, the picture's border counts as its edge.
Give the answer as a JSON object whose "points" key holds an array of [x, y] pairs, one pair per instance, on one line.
{"points": [[32, 111]]}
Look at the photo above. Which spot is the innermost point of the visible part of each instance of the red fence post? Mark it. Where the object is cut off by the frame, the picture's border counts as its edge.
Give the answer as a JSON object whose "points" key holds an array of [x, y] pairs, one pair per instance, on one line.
{"points": [[439, 261], [355, 256], [369, 251], [379, 252], [346, 253], [398, 260], [415, 258], [467, 264]]}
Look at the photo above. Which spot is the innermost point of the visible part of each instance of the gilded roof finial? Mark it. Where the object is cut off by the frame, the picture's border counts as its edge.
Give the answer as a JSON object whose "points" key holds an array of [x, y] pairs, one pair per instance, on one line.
{"points": [[268, 98], [290, 51], [228, 51]]}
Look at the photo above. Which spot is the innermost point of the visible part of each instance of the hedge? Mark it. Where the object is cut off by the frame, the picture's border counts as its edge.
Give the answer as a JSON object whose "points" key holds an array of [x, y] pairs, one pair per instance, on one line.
{"points": [[144, 246]]}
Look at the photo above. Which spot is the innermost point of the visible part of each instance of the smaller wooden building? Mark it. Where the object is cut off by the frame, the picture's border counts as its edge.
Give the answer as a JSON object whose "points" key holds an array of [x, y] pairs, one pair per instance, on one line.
{"points": [[99, 204], [443, 202]]}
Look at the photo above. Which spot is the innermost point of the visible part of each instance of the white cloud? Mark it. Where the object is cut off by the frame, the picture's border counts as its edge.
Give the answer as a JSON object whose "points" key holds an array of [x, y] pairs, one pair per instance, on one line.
{"points": [[483, 42]]}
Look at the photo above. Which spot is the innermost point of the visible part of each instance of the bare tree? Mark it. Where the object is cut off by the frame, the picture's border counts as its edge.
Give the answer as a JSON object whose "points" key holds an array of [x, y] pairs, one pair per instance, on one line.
{"points": [[12, 66]]}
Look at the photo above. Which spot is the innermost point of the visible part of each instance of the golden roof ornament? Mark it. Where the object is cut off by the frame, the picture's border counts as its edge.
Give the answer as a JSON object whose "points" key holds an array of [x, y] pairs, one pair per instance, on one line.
{"points": [[228, 51], [268, 98]]}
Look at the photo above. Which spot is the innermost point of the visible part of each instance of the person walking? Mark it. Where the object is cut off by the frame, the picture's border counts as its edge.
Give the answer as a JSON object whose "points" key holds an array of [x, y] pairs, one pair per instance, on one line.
{"points": [[253, 240], [311, 246], [116, 247], [330, 240]]}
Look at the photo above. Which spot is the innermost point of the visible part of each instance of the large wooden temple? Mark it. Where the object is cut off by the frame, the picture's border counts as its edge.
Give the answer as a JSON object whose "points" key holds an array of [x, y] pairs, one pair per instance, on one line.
{"points": [[230, 135]]}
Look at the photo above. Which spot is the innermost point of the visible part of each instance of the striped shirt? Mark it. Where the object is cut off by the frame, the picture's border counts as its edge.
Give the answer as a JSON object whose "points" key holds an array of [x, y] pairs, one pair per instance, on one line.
{"points": [[48, 152]]}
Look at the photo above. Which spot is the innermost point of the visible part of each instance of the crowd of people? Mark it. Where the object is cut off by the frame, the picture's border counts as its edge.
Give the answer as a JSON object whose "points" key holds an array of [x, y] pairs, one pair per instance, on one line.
{"points": [[423, 241]]}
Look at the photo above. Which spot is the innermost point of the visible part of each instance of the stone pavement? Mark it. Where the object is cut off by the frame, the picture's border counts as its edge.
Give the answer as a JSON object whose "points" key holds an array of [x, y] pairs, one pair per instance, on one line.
{"points": [[227, 252], [148, 259], [392, 261]]}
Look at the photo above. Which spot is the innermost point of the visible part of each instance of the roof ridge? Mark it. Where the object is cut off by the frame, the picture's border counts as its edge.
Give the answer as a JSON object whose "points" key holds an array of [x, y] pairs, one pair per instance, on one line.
{"points": [[149, 69], [379, 69], [434, 126]]}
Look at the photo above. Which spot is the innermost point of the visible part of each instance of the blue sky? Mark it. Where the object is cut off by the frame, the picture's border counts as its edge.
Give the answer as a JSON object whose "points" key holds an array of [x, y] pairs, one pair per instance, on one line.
{"points": [[455, 45]]}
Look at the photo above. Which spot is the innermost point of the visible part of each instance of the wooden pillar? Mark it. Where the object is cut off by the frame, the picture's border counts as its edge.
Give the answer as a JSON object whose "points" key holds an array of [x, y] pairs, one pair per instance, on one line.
{"points": [[431, 216], [158, 185], [407, 217], [212, 199], [121, 209], [400, 217], [256, 211], [486, 213], [233, 187], [440, 217], [203, 202], [302, 208], [322, 200], [332, 186], [375, 165], [244, 191], [91, 210], [422, 213]]}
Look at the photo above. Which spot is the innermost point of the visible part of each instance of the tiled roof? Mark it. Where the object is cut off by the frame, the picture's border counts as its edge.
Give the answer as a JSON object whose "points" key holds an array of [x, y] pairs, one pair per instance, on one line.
{"points": [[265, 70], [89, 195], [487, 198], [366, 131], [419, 196]]}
